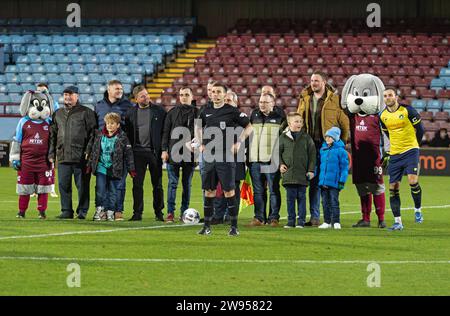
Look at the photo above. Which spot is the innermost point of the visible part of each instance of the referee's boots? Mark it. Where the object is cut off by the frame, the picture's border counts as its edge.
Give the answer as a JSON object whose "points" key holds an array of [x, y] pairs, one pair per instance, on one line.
{"points": [[233, 231], [205, 231]]}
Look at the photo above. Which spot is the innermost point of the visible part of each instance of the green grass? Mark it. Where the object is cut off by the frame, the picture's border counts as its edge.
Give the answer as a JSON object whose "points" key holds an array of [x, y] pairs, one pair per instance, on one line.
{"points": [[261, 261]]}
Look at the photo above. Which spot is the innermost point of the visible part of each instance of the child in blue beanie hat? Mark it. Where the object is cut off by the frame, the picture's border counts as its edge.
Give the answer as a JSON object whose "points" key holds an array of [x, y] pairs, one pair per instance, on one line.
{"points": [[332, 176]]}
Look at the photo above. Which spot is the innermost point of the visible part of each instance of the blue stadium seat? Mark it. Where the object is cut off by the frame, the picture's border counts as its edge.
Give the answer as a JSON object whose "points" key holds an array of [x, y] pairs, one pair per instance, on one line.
{"points": [[96, 78], [105, 59], [136, 69], [38, 68], [77, 59], [33, 49], [123, 68], [93, 68], [134, 59], [92, 59], [28, 86], [79, 68], [65, 68], [72, 39], [11, 69], [437, 83], [68, 79], [53, 68], [434, 106], [98, 39], [142, 49], [43, 39], [55, 88], [37, 77], [73, 49], [85, 88], [61, 59], [24, 59], [46, 58], [149, 69], [2, 79], [99, 88], [446, 105], [24, 68], [87, 49], [15, 97], [156, 49], [100, 49], [85, 39], [419, 105], [445, 72], [447, 82], [4, 98], [113, 49], [125, 79], [12, 77], [137, 78], [119, 59], [127, 49], [13, 88], [168, 49], [58, 39], [107, 68], [54, 78], [26, 78], [125, 39]]}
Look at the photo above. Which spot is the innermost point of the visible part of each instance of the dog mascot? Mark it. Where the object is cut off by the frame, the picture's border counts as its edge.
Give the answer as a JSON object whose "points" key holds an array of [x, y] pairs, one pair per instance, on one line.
{"points": [[29, 151], [362, 100]]}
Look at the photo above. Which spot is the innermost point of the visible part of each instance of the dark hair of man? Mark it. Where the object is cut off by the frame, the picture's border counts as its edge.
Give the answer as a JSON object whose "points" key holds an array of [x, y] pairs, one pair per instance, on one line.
{"points": [[392, 89], [42, 84], [114, 82], [321, 74], [138, 89], [186, 88], [220, 85]]}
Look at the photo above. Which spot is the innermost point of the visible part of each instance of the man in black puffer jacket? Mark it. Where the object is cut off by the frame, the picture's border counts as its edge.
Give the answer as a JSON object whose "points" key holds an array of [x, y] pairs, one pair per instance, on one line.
{"points": [[181, 116], [71, 135]]}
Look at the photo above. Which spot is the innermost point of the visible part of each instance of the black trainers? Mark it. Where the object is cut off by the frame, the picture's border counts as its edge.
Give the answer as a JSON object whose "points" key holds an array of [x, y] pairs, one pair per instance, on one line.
{"points": [[20, 215], [233, 231], [159, 217], [361, 223], [82, 215], [135, 218], [65, 215], [42, 215], [381, 224], [205, 231]]}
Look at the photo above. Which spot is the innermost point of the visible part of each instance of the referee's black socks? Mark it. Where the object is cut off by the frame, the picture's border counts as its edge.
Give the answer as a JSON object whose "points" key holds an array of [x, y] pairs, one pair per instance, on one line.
{"points": [[394, 198], [232, 210], [416, 193], [208, 210]]}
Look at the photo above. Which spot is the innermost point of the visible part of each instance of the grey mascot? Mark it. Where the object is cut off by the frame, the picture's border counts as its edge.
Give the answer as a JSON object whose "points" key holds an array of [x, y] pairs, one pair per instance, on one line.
{"points": [[29, 151], [362, 100]]}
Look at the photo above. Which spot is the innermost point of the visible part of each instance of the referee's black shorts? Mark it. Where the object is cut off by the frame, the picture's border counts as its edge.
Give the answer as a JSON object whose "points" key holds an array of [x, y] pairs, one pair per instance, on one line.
{"points": [[213, 172]]}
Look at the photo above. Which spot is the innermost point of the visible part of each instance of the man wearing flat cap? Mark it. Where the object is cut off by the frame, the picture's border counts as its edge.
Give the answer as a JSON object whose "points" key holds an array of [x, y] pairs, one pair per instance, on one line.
{"points": [[71, 135]]}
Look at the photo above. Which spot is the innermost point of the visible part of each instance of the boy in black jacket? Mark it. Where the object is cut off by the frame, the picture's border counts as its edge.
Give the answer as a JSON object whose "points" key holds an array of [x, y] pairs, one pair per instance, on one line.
{"points": [[110, 150]]}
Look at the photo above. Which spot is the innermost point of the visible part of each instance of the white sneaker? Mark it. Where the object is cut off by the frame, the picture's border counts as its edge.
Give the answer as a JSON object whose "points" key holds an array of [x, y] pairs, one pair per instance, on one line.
{"points": [[325, 226], [337, 226], [53, 194], [298, 226], [98, 216], [110, 216]]}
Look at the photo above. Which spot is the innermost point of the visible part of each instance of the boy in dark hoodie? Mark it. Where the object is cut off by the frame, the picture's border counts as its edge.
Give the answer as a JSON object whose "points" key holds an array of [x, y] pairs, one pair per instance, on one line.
{"points": [[111, 151], [332, 176], [297, 163]]}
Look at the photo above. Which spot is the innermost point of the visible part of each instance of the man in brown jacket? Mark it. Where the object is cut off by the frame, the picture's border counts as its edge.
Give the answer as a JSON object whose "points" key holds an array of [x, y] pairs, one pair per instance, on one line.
{"points": [[320, 109]]}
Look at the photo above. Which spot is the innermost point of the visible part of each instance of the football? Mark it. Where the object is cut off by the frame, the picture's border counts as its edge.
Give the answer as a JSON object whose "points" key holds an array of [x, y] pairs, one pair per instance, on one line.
{"points": [[191, 216]]}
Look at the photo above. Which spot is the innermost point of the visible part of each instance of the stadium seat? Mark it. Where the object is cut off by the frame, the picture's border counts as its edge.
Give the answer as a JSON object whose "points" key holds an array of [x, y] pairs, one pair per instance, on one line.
{"points": [[434, 106]]}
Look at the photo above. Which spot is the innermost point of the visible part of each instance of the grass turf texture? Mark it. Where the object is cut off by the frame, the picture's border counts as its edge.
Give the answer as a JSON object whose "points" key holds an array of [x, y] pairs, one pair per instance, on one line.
{"points": [[171, 259]]}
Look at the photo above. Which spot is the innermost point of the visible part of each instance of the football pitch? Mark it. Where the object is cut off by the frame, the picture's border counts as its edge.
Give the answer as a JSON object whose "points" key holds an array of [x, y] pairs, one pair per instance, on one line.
{"points": [[74, 257]]}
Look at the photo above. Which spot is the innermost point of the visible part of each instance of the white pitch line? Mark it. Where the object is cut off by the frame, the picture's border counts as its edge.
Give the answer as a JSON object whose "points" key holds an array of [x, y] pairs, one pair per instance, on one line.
{"points": [[220, 261], [83, 232], [150, 227]]}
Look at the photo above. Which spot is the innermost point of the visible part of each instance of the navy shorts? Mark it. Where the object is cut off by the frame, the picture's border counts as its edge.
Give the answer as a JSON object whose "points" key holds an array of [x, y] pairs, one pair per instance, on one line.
{"points": [[213, 172], [406, 163]]}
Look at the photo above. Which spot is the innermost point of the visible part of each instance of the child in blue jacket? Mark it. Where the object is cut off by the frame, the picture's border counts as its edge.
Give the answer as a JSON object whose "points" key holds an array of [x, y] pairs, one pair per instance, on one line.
{"points": [[332, 176]]}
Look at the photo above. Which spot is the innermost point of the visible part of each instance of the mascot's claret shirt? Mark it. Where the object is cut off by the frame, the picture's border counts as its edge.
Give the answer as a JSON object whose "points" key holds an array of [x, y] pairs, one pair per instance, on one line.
{"points": [[366, 148], [34, 136], [400, 126]]}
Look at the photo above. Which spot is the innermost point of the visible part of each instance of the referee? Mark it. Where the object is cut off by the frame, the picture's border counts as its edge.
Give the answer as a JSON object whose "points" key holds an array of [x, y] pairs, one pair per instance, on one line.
{"points": [[217, 136]]}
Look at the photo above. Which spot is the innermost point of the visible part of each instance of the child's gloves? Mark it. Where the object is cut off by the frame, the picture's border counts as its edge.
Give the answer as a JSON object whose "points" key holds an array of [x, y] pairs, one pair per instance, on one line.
{"points": [[341, 185], [88, 170], [16, 164], [132, 173]]}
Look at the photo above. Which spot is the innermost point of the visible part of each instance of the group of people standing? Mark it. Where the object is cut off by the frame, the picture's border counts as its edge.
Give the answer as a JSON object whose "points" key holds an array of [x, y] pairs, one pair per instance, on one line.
{"points": [[304, 148]]}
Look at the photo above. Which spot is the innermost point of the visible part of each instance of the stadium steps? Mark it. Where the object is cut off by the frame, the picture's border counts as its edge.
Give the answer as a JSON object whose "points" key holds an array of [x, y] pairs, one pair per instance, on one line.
{"points": [[177, 68]]}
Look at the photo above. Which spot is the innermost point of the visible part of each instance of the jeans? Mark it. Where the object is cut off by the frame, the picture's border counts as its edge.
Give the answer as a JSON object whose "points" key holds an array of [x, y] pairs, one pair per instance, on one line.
{"points": [[107, 192], [173, 171], [65, 172], [152, 162], [314, 189], [330, 202], [296, 194], [121, 190], [273, 183]]}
